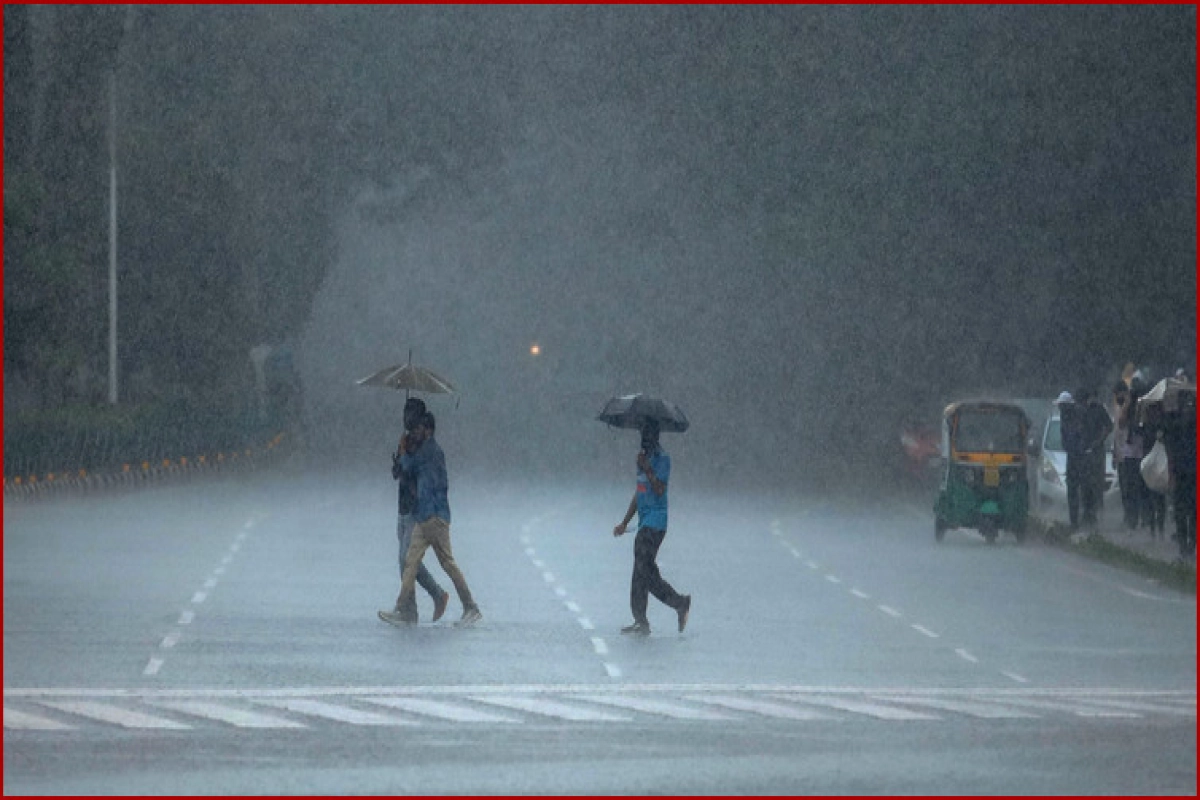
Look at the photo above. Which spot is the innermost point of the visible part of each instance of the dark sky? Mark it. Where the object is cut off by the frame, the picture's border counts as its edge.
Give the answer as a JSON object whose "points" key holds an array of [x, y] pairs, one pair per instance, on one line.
{"points": [[801, 223]]}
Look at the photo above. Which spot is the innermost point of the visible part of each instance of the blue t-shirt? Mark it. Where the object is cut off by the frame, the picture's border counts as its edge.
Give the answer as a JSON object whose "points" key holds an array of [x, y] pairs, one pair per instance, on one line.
{"points": [[652, 508], [429, 465]]}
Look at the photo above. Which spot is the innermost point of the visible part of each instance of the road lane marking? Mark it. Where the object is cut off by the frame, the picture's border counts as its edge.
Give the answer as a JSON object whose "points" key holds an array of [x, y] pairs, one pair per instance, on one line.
{"points": [[153, 666], [599, 646], [860, 594], [765, 708], [550, 708], [877, 710], [170, 640], [891, 612], [833, 578], [238, 717], [663, 708], [113, 715], [586, 624], [452, 712], [965, 656], [922, 629], [612, 669], [332, 711], [1078, 708], [199, 598], [971, 709], [1014, 676], [572, 606], [186, 617], [21, 720]]}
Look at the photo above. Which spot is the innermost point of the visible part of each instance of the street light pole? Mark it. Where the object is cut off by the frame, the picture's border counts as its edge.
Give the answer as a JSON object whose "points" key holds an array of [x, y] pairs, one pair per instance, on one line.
{"points": [[112, 238]]}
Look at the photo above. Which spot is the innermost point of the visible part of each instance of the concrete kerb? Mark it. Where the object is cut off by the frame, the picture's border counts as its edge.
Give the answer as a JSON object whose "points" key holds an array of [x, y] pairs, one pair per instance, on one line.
{"points": [[132, 476], [1158, 560]]}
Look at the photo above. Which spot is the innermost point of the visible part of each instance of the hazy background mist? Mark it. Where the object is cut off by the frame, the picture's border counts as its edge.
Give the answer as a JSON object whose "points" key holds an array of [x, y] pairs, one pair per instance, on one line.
{"points": [[803, 224]]}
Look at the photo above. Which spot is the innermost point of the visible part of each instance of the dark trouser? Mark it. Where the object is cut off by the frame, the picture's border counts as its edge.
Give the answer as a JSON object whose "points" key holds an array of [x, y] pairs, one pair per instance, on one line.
{"points": [[404, 528], [1184, 496], [1155, 510], [646, 577], [1133, 492], [1076, 480]]}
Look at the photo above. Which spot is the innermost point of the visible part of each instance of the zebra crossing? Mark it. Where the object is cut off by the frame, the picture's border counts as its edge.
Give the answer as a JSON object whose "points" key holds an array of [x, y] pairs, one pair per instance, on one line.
{"points": [[59, 711]]}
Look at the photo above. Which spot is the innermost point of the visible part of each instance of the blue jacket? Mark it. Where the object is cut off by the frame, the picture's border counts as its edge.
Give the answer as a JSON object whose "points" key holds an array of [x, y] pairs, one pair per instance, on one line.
{"points": [[428, 463]]}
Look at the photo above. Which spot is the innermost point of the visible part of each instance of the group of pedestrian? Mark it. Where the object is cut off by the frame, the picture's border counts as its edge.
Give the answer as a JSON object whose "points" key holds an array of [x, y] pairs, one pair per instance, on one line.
{"points": [[1086, 424], [423, 522]]}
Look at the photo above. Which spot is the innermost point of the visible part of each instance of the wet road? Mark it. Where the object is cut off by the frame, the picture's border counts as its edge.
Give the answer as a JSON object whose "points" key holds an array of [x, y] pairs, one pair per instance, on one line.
{"points": [[221, 637]]}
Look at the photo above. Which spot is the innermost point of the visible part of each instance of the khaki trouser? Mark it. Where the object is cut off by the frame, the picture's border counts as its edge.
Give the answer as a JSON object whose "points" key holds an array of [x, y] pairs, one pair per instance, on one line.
{"points": [[433, 532]]}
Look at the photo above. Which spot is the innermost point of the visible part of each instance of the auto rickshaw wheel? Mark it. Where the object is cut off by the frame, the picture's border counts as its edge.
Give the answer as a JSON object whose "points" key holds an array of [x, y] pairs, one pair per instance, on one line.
{"points": [[989, 530], [939, 529]]}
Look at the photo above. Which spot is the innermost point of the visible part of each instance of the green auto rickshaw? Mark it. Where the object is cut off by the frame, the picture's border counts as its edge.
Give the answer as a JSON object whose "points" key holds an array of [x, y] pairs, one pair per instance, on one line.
{"points": [[985, 483]]}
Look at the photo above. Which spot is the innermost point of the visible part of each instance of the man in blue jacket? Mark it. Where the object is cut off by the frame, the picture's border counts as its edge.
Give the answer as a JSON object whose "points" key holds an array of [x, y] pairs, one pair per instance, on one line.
{"points": [[424, 458], [650, 503], [414, 412]]}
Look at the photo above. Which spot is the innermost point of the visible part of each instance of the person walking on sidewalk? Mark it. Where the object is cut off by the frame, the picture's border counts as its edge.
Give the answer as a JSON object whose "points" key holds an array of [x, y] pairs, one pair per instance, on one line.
{"points": [[1127, 455], [424, 457], [650, 503], [414, 411]]}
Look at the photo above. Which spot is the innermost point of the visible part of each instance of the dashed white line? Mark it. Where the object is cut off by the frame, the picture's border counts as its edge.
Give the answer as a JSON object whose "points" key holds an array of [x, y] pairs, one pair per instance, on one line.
{"points": [[572, 606], [891, 612], [211, 583], [537, 562], [599, 645], [833, 579], [860, 594], [560, 591], [548, 577], [612, 669], [586, 624], [924, 630], [965, 656], [153, 666], [1014, 676], [812, 565], [198, 597], [186, 617], [169, 641]]}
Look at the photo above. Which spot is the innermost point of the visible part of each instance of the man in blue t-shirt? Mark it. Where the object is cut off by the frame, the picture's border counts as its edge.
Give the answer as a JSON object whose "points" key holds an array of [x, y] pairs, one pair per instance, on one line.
{"points": [[650, 503]]}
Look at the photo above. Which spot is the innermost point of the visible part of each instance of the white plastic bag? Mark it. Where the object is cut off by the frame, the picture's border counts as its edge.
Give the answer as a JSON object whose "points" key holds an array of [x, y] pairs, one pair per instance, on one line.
{"points": [[1154, 469]]}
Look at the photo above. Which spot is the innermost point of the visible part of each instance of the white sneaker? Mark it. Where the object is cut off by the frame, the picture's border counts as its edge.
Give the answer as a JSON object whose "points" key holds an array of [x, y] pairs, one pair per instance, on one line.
{"points": [[469, 617]]}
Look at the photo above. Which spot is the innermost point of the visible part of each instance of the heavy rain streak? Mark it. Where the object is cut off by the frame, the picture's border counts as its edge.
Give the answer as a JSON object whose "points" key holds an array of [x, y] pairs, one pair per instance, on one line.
{"points": [[821, 246], [803, 225]]}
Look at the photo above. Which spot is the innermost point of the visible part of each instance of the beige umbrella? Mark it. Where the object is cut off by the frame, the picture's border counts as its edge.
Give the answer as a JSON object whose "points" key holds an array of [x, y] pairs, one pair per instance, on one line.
{"points": [[410, 378]]}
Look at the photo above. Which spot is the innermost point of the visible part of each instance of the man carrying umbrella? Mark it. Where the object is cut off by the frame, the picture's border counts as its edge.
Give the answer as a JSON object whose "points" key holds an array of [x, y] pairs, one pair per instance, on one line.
{"points": [[650, 503], [414, 412]]}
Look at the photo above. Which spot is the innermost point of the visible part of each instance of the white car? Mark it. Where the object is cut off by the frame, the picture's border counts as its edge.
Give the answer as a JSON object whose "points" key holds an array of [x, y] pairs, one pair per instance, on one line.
{"points": [[1051, 496]]}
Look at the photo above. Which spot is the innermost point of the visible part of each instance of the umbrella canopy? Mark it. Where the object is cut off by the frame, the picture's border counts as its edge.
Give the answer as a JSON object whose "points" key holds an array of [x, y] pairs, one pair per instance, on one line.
{"points": [[632, 410], [409, 377], [1167, 392]]}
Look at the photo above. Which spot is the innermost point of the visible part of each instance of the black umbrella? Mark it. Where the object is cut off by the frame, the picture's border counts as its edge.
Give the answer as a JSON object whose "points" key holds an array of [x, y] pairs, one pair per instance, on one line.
{"points": [[632, 410]]}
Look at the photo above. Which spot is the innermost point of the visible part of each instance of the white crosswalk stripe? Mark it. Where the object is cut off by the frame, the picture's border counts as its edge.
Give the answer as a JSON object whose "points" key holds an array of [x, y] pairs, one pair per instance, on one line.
{"points": [[765, 708], [450, 712], [650, 705], [238, 717], [863, 706], [971, 708], [21, 720], [333, 711], [116, 715], [550, 708], [59, 712]]}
